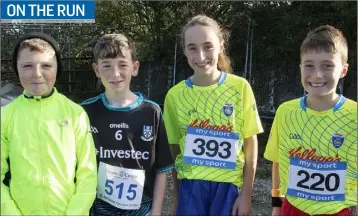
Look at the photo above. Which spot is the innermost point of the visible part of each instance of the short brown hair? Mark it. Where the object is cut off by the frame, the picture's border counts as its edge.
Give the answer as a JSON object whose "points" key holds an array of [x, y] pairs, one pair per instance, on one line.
{"points": [[36, 44], [112, 45], [326, 38], [224, 62]]}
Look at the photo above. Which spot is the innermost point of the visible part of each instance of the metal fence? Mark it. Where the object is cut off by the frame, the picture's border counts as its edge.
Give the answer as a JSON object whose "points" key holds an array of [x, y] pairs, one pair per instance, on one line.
{"points": [[274, 78]]}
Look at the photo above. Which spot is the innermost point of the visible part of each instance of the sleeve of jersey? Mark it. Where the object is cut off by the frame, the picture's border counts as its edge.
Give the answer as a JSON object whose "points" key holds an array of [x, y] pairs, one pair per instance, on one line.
{"points": [[252, 122], [8, 205], [171, 119], [86, 172], [272, 147], [163, 158]]}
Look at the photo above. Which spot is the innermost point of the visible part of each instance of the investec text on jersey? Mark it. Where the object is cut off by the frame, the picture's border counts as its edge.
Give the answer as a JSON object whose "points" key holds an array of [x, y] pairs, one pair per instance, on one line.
{"points": [[113, 153]]}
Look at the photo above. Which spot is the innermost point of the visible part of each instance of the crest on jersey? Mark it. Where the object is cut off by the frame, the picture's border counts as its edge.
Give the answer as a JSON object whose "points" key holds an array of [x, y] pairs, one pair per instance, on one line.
{"points": [[228, 109], [147, 133], [337, 140]]}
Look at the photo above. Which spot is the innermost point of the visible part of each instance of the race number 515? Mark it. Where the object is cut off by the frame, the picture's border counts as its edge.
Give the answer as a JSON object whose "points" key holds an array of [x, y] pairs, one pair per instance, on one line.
{"points": [[111, 188]]}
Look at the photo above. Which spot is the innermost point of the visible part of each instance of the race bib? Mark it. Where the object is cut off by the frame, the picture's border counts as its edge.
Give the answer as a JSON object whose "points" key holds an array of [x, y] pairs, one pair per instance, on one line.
{"points": [[318, 181], [212, 148], [120, 187]]}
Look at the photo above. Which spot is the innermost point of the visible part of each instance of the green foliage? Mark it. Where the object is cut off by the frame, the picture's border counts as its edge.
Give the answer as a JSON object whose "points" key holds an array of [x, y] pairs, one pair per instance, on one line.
{"points": [[278, 30]]}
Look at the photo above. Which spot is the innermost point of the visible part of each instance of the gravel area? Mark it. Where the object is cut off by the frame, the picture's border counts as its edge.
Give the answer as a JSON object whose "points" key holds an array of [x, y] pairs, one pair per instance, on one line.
{"points": [[261, 201]]}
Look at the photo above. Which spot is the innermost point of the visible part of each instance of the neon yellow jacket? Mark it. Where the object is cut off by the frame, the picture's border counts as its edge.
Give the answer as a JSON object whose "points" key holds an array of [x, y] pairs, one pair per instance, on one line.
{"points": [[52, 157]]}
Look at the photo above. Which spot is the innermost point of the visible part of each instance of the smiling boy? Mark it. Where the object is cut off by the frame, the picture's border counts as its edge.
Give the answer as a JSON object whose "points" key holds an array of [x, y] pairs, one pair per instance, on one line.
{"points": [[45, 137], [130, 137], [313, 141]]}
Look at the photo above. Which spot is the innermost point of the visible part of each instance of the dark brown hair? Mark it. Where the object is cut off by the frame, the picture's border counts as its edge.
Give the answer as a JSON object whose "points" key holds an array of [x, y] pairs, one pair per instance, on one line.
{"points": [[326, 38], [112, 46]]}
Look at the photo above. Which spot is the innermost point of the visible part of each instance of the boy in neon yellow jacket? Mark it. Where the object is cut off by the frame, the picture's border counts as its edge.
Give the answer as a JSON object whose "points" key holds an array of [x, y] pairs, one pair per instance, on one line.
{"points": [[46, 143]]}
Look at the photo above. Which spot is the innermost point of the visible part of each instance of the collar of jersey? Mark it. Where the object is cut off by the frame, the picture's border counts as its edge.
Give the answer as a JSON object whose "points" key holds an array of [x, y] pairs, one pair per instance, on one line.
{"points": [[37, 98], [221, 81], [336, 107], [128, 108]]}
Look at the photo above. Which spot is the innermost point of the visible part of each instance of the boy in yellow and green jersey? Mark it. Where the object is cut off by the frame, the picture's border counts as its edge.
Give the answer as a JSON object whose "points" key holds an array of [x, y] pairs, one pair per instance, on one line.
{"points": [[313, 140]]}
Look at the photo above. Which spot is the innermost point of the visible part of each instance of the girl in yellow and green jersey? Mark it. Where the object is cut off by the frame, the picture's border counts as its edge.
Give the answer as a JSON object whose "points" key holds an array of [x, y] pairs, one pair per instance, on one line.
{"points": [[212, 122]]}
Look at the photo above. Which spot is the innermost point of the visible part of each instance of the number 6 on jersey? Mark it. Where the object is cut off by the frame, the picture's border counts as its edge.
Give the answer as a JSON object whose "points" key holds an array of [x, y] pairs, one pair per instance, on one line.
{"points": [[118, 135]]}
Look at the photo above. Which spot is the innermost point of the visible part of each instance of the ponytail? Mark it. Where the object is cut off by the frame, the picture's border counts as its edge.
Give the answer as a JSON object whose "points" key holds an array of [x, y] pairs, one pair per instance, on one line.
{"points": [[224, 63]]}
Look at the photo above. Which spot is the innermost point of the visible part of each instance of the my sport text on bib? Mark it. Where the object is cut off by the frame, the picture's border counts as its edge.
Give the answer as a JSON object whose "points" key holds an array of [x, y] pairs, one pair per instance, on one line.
{"points": [[204, 147], [319, 181], [120, 187]]}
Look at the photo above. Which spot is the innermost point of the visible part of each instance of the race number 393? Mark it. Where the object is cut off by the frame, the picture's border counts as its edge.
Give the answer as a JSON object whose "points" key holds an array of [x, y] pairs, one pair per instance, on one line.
{"points": [[318, 181], [212, 148]]}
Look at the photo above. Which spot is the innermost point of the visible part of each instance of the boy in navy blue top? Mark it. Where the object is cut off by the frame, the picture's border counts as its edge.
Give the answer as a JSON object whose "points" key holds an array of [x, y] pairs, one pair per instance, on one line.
{"points": [[132, 147]]}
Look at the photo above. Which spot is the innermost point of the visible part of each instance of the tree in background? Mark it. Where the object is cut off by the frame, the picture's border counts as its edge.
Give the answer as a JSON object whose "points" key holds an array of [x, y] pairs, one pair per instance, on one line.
{"points": [[278, 29]]}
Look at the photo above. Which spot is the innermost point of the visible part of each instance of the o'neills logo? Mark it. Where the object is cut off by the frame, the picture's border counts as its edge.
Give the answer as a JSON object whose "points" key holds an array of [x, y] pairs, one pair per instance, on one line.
{"points": [[206, 124], [311, 155]]}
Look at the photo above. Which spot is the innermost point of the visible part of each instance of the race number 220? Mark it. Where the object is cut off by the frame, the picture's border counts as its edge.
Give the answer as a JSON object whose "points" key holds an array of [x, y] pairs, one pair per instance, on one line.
{"points": [[319, 181]]}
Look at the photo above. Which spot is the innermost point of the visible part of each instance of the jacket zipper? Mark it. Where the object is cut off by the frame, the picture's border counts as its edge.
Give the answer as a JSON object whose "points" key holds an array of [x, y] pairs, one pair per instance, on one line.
{"points": [[43, 171]]}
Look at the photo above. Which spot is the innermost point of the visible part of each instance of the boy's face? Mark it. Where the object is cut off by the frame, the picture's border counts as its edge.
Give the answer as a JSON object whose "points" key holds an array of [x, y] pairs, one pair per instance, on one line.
{"points": [[116, 73], [202, 48], [37, 71], [321, 71]]}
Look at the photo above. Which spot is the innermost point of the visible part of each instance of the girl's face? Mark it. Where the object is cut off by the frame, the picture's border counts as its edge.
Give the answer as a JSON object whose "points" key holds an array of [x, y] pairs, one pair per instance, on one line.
{"points": [[202, 48]]}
